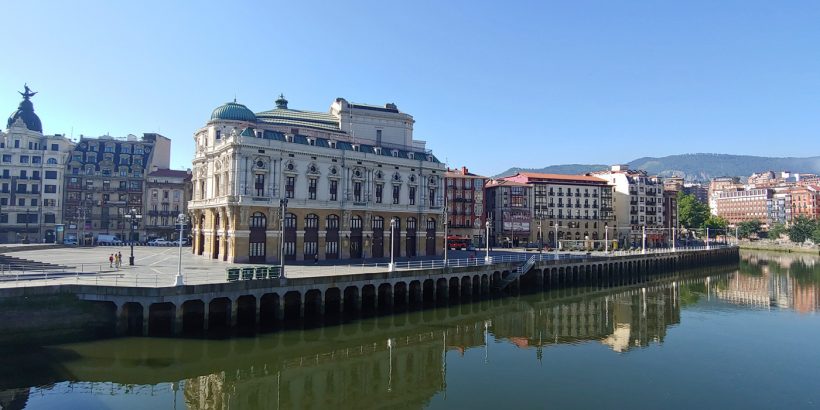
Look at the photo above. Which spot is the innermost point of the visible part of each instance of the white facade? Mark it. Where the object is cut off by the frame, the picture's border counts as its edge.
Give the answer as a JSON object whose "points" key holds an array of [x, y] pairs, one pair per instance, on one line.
{"points": [[244, 167], [32, 171], [638, 205]]}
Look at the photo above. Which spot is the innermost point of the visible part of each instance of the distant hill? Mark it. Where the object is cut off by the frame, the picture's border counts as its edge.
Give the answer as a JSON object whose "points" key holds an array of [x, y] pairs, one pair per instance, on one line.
{"points": [[695, 167]]}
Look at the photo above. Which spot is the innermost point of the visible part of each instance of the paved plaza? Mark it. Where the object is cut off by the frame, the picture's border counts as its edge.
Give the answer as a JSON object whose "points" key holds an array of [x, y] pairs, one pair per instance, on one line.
{"points": [[158, 266]]}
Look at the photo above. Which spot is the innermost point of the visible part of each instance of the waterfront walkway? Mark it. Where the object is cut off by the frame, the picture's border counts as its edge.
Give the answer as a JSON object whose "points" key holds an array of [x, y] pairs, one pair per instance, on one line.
{"points": [[158, 266]]}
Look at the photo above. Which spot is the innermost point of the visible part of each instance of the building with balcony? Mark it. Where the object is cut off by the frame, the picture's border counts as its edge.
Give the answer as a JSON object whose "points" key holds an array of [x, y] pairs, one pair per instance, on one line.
{"points": [[638, 202], [31, 178], [804, 201], [508, 207], [106, 179], [465, 205], [167, 193], [345, 174], [568, 208]]}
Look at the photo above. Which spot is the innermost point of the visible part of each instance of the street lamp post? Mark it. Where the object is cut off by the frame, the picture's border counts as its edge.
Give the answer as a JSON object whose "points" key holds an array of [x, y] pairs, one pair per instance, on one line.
{"points": [[283, 204], [179, 279], [133, 219], [606, 239], [555, 224], [487, 257], [643, 239], [446, 245], [392, 265]]}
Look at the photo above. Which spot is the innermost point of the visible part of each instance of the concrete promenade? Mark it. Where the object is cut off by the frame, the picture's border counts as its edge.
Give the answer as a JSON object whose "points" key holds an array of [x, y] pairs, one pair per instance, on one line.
{"points": [[157, 308]]}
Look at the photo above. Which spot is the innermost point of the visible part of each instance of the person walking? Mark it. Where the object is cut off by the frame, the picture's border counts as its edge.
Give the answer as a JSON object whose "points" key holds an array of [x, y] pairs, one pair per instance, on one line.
{"points": [[111, 261], [119, 256]]}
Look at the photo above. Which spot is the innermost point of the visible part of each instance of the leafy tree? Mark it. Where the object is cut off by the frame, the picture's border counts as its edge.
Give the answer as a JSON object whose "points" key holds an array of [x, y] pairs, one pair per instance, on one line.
{"points": [[716, 224], [815, 234], [776, 230], [692, 213], [801, 229], [748, 228]]}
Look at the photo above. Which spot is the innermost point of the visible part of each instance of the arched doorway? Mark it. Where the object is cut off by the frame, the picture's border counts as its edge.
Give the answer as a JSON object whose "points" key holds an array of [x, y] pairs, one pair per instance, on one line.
{"points": [[395, 235], [215, 250], [290, 237], [257, 249], [411, 237], [377, 249], [356, 237], [431, 237], [332, 237], [311, 247], [201, 236]]}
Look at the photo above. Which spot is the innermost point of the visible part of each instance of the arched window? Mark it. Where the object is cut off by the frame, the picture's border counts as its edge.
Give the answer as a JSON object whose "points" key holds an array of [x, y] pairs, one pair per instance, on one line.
{"points": [[431, 224], [290, 221], [411, 223], [378, 222], [356, 222], [311, 221], [332, 222], [258, 220], [51, 161]]}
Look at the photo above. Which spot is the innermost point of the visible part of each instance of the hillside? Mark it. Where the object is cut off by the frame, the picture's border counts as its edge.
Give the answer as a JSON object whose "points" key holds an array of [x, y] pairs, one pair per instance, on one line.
{"points": [[696, 167]]}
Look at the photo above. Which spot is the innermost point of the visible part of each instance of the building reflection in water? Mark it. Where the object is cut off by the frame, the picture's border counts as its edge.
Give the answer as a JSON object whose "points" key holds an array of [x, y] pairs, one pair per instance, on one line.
{"points": [[401, 361], [775, 280]]}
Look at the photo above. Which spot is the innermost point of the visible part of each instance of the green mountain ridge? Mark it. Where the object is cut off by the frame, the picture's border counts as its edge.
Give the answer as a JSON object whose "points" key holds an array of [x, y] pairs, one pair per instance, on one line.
{"points": [[693, 167]]}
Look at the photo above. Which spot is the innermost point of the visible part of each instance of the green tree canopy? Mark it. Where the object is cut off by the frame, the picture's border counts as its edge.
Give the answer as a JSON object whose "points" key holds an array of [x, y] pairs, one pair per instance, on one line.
{"points": [[801, 229], [692, 213], [776, 230], [717, 225], [748, 228]]}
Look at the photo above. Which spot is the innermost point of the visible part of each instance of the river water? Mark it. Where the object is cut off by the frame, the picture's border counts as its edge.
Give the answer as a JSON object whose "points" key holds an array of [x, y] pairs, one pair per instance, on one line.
{"points": [[720, 338]]}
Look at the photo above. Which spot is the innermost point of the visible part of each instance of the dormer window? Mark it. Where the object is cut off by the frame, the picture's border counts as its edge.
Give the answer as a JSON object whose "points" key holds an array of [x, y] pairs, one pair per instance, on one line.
{"points": [[396, 153], [311, 141], [410, 155], [288, 138], [377, 150], [218, 134], [332, 144], [355, 147]]}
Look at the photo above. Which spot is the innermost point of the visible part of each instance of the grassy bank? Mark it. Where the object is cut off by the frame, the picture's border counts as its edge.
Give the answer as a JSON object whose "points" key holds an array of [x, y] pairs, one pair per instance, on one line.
{"points": [[777, 247]]}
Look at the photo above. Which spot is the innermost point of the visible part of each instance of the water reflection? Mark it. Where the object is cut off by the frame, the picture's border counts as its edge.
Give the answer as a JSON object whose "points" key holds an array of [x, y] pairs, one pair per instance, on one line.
{"points": [[781, 280], [396, 361]]}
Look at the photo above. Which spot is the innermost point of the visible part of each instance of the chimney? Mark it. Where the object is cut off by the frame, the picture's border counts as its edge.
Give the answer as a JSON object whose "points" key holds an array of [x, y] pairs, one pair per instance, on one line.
{"points": [[464, 170]]}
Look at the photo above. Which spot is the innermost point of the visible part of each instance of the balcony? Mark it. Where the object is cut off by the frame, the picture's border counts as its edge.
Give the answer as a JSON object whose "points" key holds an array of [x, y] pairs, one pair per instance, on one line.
{"points": [[569, 194], [633, 211]]}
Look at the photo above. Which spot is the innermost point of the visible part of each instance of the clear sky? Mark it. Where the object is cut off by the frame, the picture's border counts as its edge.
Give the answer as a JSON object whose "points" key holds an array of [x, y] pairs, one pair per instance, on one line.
{"points": [[490, 84]]}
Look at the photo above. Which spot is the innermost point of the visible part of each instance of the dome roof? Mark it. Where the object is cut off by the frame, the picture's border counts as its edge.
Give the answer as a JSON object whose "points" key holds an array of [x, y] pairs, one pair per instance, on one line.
{"points": [[25, 111], [233, 111]]}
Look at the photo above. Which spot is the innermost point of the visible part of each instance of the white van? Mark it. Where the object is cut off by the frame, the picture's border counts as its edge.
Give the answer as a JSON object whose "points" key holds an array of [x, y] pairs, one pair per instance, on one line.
{"points": [[104, 239]]}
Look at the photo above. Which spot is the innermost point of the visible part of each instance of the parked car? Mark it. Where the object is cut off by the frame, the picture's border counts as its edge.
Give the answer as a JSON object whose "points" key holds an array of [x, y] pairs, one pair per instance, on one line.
{"points": [[70, 241], [159, 242]]}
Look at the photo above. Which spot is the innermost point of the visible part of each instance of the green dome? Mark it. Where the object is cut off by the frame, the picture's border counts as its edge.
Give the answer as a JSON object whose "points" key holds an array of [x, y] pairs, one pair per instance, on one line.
{"points": [[233, 111]]}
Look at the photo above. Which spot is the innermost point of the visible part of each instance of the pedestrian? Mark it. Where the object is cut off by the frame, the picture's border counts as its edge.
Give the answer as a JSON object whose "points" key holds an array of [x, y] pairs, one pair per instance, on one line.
{"points": [[116, 261], [119, 254], [111, 261], [315, 259]]}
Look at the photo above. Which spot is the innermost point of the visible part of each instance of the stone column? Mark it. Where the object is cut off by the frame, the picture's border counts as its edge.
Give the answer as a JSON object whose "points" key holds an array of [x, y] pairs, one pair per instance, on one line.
{"points": [[280, 308], [178, 319], [146, 313], [233, 312], [121, 321], [206, 316]]}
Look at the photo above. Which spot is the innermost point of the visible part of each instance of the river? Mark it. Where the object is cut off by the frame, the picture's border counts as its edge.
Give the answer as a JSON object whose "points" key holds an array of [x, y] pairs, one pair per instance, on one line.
{"points": [[721, 338]]}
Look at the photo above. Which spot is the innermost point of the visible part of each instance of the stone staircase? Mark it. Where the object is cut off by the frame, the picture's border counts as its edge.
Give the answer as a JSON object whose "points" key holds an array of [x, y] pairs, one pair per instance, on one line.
{"points": [[13, 263]]}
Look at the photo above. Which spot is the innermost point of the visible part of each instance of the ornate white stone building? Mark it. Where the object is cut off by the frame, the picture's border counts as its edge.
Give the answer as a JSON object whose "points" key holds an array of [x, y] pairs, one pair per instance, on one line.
{"points": [[32, 169], [344, 173]]}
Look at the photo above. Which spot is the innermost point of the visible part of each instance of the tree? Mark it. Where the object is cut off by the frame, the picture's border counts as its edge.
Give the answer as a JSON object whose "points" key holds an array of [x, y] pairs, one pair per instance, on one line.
{"points": [[801, 229], [692, 213], [776, 230], [748, 228], [716, 225]]}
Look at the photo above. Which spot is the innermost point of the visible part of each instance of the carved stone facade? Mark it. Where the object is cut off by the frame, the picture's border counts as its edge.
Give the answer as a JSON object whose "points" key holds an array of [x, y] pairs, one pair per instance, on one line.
{"points": [[342, 189]]}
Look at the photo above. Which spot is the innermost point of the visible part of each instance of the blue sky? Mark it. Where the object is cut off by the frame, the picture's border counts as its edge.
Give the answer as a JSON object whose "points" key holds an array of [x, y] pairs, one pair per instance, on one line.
{"points": [[490, 84]]}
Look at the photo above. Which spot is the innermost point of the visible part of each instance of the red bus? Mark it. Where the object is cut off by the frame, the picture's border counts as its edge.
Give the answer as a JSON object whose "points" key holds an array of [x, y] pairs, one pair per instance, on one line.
{"points": [[457, 242]]}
